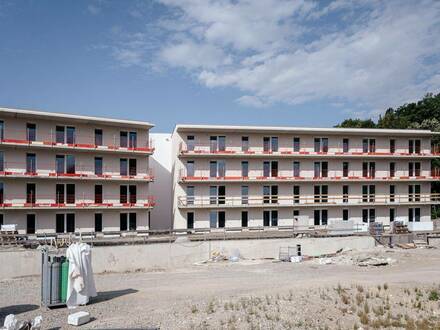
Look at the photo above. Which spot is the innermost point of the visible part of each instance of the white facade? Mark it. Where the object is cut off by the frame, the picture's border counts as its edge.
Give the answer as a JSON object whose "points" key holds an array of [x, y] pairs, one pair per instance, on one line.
{"points": [[65, 173], [227, 176], [161, 163]]}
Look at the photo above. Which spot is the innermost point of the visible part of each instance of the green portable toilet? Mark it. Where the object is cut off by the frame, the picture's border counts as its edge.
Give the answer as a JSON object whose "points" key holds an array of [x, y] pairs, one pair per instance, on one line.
{"points": [[63, 280]]}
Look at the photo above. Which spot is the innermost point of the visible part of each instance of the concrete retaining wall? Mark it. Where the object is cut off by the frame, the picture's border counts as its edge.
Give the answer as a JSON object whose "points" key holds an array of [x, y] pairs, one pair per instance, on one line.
{"points": [[178, 254]]}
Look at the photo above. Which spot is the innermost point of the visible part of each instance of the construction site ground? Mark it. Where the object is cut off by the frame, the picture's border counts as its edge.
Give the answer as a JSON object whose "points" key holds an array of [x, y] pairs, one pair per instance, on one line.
{"points": [[333, 292]]}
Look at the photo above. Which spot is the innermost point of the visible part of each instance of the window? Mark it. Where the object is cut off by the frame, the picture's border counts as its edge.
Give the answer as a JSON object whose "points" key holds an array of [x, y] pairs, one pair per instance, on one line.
{"points": [[266, 169], [70, 193], [217, 194], [244, 194], [132, 221], [98, 137], [217, 219], [414, 168], [414, 193], [244, 219], [320, 217], [344, 215], [132, 167], [392, 169], [190, 144], [270, 194], [31, 132], [1, 220], [321, 193], [2, 192], [2, 130], [213, 143], [98, 222], [270, 218], [296, 144], [127, 194], [392, 146], [190, 220], [127, 221], [245, 169], [414, 146], [190, 195], [59, 223], [345, 145], [270, 144], [59, 164], [368, 169], [296, 194], [368, 193], [296, 169], [321, 169], [368, 215], [345, 194], [245, 143], [98, 166], [190, 168], [392, 193], [295, 214], [132, 140], [65, 223], [123, 163], [31, 193], [31, 163], [98, 194], [369, 145], [222, 143], [59, 137], [70, 164], [345, 168], [217, 168], [2, 161], [321, 145], [392, 215], [70, 135], [123, 139], [414, 214], [30, 224], [59, 193]]}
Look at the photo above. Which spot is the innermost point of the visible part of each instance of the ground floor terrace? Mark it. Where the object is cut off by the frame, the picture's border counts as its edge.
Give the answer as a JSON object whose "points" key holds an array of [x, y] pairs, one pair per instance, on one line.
{"points": [[357, 218], [60, 221]]}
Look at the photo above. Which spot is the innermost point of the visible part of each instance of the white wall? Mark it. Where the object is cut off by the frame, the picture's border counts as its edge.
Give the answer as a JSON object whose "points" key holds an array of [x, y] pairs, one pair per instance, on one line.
{"points": [[161, 164]]}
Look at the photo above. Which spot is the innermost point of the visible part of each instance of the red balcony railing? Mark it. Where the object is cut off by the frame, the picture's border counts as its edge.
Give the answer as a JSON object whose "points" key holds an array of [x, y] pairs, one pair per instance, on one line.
{"points": [[78, 141], [44, 170], [306, 149], [70, 200]]}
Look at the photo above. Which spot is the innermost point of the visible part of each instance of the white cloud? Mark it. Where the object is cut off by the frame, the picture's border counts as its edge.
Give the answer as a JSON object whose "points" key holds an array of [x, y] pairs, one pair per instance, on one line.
{"points": [[94, 9], [370, 54]]}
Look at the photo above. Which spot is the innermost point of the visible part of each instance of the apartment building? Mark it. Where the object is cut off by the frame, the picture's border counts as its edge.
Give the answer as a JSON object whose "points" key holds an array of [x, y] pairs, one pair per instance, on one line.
{"points": [[238, 177], [64, 173]]}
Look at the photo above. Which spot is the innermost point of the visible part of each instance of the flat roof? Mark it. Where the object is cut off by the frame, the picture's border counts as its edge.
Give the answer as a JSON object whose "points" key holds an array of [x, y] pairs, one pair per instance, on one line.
{"points": [[301, 130], [29, 114]]}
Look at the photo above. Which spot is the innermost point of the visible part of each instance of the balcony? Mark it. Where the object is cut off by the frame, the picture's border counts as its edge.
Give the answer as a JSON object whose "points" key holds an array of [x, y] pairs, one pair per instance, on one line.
{"points": [[70, 202], [287, 177], [206, 150], [80, 142], [17, 170], [304, 201]]}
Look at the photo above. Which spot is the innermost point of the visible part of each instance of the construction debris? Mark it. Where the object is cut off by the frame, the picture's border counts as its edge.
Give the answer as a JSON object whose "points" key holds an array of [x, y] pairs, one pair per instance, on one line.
{"points": [[11, 323], [78, 318]]}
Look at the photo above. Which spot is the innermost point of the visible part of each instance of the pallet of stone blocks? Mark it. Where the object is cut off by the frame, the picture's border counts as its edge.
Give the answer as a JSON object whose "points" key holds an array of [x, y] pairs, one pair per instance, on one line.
{"points": [[54, 275], [400, 228]]}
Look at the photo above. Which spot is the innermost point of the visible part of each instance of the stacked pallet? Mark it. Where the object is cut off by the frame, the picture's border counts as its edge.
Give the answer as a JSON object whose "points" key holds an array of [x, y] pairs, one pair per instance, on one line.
{"points": [[400, 228]]}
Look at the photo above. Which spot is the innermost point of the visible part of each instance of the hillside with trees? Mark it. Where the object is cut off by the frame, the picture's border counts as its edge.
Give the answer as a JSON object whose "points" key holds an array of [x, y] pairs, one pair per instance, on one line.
{"points": [[424, 114]]}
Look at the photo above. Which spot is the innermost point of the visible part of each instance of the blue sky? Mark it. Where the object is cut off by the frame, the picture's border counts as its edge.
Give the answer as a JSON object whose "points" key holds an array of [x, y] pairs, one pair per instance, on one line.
{"points": [[267, 62]]}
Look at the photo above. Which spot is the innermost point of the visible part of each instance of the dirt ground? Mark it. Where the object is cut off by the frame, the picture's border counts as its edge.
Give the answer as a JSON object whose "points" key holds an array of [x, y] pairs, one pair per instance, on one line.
{"points": [[256, 294]]}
